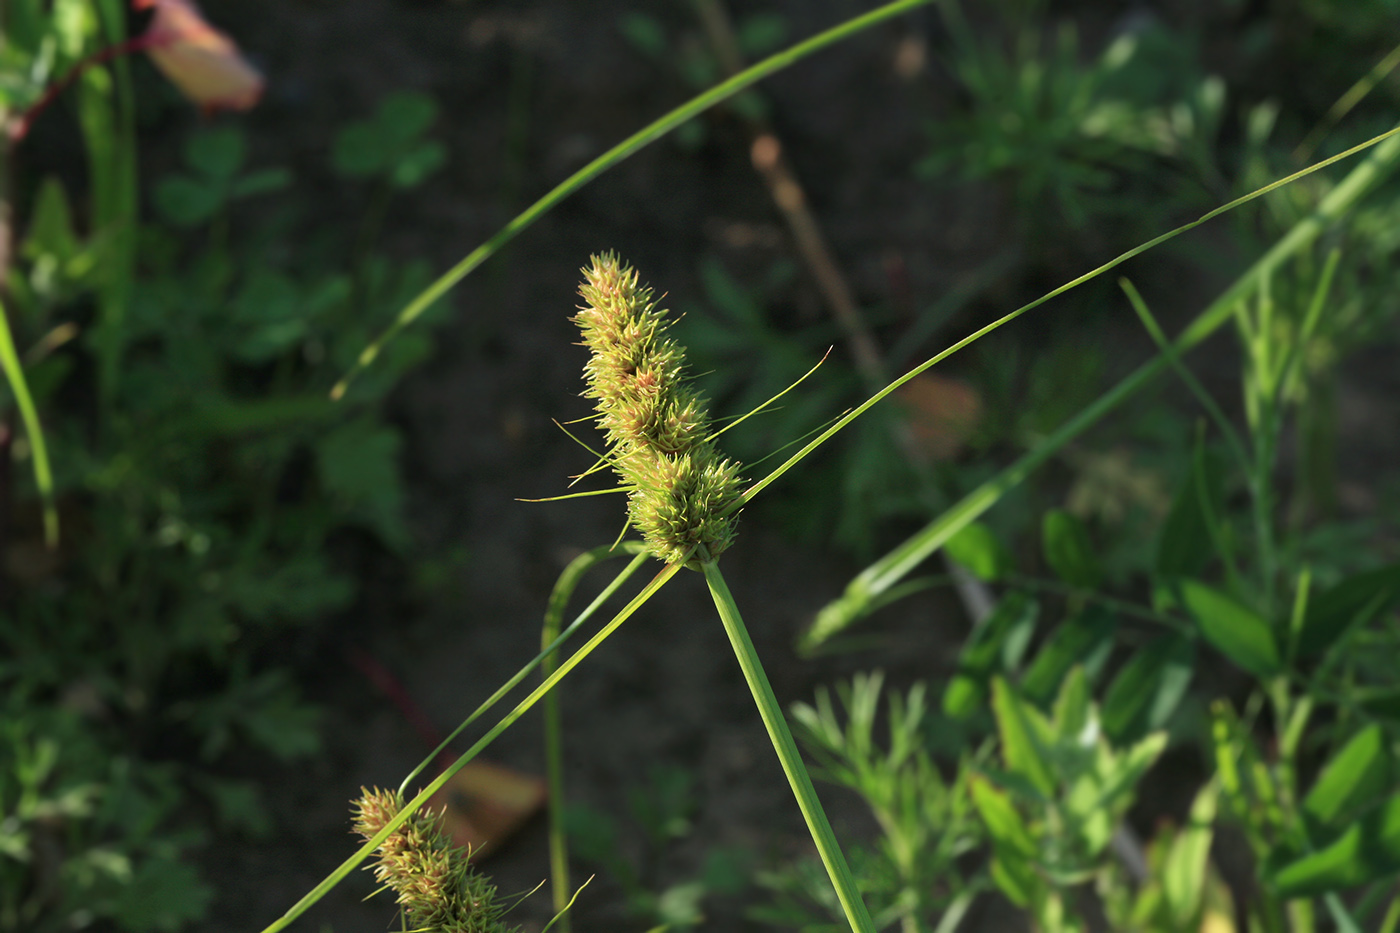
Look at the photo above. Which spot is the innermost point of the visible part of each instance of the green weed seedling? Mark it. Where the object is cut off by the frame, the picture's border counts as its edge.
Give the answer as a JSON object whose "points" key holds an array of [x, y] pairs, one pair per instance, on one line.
{"points": [[214, 179], [912, 876], [1052, 809], [1065, 136]]}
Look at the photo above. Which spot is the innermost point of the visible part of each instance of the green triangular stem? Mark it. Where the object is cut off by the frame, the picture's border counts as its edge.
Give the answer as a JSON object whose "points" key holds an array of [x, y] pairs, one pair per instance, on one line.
{"points": [[781, 736]]}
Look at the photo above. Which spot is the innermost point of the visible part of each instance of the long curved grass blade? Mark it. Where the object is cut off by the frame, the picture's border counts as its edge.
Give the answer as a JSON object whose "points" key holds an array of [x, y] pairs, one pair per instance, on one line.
{"points": [[1248, 279], [1344, 104], [629, 146], [893, 567], [1165, 348], [764, 407], [561, 914], [43, 476], [364, 852]]}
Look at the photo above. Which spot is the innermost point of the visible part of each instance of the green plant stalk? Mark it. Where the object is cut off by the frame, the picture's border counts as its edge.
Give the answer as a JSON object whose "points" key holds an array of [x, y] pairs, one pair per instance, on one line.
{"points": [[1165, 348], [106, 112], [632, 144], [534, 662], [43, 475], [893, 567], [368, 849], [1264, 381], [553, 726], [781, 736]]}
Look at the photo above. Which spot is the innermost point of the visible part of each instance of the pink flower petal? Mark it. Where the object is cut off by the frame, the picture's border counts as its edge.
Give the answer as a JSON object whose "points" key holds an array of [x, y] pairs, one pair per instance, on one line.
{"points": [[203, 62]]}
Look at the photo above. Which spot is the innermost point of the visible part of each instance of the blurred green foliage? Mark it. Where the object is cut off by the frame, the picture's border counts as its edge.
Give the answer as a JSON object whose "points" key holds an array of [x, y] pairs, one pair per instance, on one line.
{"points": [[202, 500]]}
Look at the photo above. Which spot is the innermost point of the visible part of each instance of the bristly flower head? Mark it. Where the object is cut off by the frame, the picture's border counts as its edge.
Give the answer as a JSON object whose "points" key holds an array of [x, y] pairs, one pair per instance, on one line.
{"points": [[656, 426], [435, 886]]}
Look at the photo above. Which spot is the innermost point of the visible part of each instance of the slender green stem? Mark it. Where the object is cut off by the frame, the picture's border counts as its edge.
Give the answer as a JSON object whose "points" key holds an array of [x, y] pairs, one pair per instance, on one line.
{"points": [[893, 567], [106, 113], [521, 674], [553, 726], [19, 387], [643, 137], [788, 755], [364, 852], [1165, 348], [1121, 606]]}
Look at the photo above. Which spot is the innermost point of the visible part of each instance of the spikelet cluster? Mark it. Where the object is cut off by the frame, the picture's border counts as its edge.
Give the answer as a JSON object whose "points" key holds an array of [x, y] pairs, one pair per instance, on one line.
{"points": [[656, 425], [438, 891]]}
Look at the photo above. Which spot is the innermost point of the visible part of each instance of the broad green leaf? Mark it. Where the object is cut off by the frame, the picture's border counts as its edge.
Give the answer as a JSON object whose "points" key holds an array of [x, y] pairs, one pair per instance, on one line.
{"points": [[967, 691], [1084, 639], [1185, 547], [403, 116], [1068, 550], [761, 33], [1184, 871], [1120, 776], [977, 549], [1004, 824], [1237, 632], [186, 202], [678, 907], [645, 32], [388, 141], [270, 314], [418, 163], [1148, 688], [1073, 713], [1015, 878], [163, 894], [1356, 599], [216, 153], [1367, 850], [1026, 737], [1355, 776], [359, 465], [50, 224], [263, 182], [359, 150]]}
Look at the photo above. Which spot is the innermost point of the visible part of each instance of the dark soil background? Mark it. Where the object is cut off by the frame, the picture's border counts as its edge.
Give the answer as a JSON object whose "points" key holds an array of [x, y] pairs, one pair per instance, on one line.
{"points": [[478, 415]]}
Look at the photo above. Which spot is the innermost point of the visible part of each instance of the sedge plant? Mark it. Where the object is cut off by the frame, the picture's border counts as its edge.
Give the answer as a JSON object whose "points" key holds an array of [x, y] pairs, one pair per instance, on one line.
{"points": [[684, 495]]}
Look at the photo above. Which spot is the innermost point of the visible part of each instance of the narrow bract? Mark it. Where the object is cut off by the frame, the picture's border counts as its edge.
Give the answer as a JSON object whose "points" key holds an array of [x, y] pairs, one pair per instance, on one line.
{"points": [[656, 425]]}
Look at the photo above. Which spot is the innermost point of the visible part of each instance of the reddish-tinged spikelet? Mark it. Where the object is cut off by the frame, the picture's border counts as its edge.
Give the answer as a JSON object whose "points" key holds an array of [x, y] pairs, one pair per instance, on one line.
{"points": [[655, 424], [433, 882]]}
